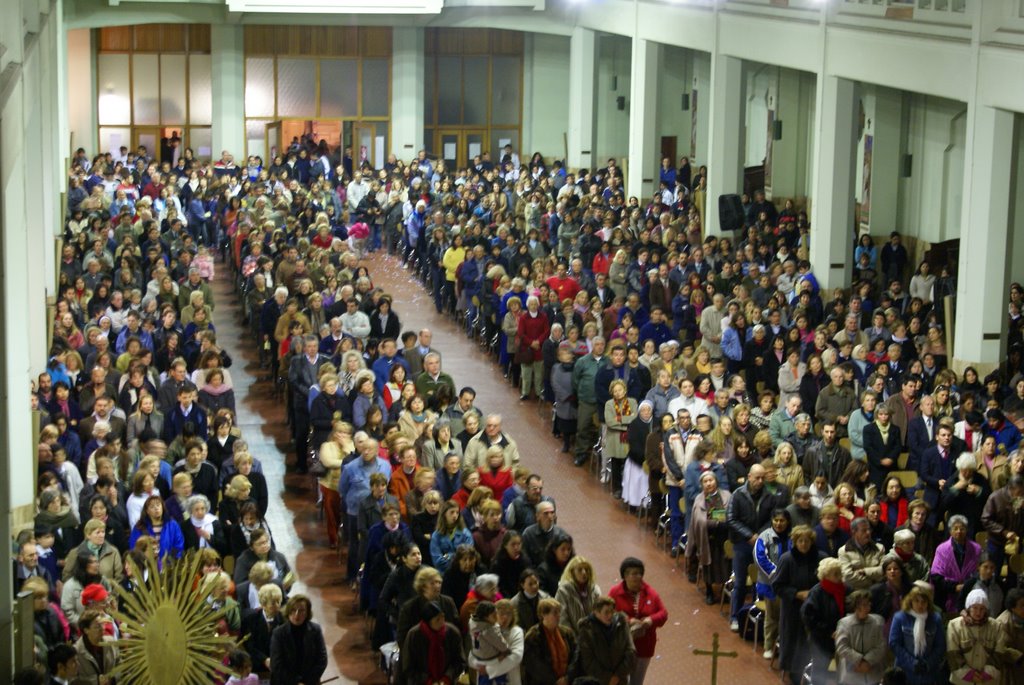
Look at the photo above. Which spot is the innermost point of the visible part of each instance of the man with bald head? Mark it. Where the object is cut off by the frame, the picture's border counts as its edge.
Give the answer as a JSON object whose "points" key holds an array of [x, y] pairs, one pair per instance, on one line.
{"points": [[749, 512]]}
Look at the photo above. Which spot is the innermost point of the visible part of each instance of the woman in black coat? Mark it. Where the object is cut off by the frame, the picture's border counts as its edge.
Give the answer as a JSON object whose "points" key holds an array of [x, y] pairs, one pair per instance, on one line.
{"points": [[797, 573], [384, 323], [398, 589], [259, 625], [418, 664], [821, 611], [878, 449], [509, 563], [298, 654], [329, 406]]}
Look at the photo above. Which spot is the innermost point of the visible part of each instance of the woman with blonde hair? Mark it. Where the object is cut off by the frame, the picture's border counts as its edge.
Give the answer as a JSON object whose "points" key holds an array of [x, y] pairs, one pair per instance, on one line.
{"points": [[617, 275], [332, 453], [577, 591], [789, 471], [722, 438], [619, 412]]}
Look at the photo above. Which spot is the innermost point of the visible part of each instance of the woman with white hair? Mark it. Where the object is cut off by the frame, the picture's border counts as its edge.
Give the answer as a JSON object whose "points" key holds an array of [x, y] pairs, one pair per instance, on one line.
{"points": [[976, 645], [967, 493], [824, 607], [202, 529], [532, 329]]}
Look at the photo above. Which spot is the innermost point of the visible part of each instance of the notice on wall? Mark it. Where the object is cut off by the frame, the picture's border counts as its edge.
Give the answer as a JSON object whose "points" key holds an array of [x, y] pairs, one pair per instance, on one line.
{"points": [[449, 151], [502, 142], [474, 150], [378, 149]]}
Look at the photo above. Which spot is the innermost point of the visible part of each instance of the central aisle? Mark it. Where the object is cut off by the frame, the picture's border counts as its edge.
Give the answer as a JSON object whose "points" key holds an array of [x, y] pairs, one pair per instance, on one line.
{"points": [[602, 530]]}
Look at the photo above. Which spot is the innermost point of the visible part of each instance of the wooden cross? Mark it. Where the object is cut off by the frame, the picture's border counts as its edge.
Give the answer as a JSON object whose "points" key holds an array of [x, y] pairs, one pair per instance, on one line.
{"points": [[715, 656]]}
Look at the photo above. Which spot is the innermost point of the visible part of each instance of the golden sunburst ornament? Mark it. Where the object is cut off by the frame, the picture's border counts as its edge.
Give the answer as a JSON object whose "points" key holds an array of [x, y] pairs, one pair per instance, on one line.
{"points": [[172, 634]]}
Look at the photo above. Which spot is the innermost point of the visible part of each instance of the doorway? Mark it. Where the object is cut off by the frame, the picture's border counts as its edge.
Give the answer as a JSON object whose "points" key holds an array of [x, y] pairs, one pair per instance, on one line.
{"points": [[668, 149], [458, 147]]}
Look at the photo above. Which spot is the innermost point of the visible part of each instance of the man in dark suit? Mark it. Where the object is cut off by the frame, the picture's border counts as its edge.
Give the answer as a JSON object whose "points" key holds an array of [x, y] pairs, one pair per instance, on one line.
{"points": [[602, 291], [187, 410], [938, 464], [177, 378], [303, 373], [921, 432], [414, 355], [103, 410]]}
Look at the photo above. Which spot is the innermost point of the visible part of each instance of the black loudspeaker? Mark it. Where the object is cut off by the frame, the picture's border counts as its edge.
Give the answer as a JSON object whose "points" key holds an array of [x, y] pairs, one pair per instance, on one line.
{"points": [[730, 212], [620, 102], [686, 102], [777, 129], [906, 166]]}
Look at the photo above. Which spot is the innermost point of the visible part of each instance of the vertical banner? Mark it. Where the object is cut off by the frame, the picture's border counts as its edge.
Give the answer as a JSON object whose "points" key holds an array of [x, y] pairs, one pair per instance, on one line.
{"points": [[768, 149], [865, 187], [693, 125]]}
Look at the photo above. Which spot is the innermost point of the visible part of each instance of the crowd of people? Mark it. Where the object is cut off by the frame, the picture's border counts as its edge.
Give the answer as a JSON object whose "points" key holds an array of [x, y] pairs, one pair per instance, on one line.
{"points": [[820, 439]]}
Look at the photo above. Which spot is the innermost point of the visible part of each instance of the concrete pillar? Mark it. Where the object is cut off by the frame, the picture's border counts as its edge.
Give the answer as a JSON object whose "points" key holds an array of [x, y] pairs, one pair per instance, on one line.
{"points": [[727, 114], [983, 277], [79, 58], [794, 109], [832, 198], [407, 100], [582, 79], [885, 161], [642, 179], [227, 57]]}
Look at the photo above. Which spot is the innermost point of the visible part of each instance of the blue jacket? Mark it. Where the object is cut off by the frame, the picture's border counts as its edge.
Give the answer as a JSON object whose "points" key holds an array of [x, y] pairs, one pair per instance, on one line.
{"points": [[901, 642], [171, 540], [442, 547], [659, 333], [732, 346], [472, 277], [768, 549], [1007, 434], [175, 420], [354, 484], [382, 369]]}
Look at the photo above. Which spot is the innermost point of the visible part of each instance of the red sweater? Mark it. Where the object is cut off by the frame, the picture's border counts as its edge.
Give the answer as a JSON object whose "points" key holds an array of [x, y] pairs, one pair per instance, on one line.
{"points": [[498, 481], [601, 264], [533, 329], [647, 604]]}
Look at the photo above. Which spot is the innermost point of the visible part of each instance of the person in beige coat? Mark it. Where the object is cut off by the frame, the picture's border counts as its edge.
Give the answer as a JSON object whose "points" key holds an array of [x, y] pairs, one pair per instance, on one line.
{"points": [[861, 557], [97, 654], [1012, 623], [975, 643], [861, 643]]}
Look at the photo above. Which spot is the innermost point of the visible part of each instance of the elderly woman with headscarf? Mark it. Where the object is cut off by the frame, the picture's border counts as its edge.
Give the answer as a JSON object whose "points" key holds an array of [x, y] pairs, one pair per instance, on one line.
{"points": [[708, 532], [635, 482], [976, 646]]}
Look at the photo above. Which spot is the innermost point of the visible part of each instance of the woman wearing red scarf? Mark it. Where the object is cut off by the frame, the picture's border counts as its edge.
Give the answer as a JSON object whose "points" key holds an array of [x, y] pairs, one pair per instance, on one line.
{"points": [[550, 651], [432, 651], [825, 605]]}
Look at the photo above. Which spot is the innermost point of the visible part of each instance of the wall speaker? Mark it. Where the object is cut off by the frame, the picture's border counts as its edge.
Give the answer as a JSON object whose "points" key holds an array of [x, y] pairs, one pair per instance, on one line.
{"points": [[615, 82], [777, 129], [906, 166], [686, 102], [730, 212], [620, 102]]}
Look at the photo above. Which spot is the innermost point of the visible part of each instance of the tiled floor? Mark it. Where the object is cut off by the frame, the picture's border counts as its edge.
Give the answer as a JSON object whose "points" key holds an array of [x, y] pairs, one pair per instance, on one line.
{"points": [[603, 531]]}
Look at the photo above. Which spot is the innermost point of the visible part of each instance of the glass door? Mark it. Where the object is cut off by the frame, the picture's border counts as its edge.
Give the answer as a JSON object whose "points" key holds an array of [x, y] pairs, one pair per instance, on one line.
{"points": [[148, 136], [272, 141], [450, 147]]}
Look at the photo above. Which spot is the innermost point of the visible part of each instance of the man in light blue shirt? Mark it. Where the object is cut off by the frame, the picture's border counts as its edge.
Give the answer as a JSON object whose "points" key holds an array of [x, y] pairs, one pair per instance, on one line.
{"points": [[354, 486]]}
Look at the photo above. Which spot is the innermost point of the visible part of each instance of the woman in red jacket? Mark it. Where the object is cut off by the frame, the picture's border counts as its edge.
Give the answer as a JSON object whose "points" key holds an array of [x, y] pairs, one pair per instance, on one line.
{"points": [[645, 611], [533, 330]]}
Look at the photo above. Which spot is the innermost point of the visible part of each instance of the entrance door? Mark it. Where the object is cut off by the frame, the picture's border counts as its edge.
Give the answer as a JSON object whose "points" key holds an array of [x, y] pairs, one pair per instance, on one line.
{"points": [[272, 141], [458, 147], [148, 136], [668, 149], [363, 144]]}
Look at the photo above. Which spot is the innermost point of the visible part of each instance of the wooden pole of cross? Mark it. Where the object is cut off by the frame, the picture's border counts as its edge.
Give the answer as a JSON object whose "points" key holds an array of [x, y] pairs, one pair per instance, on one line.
{"points": [[715, 655]]}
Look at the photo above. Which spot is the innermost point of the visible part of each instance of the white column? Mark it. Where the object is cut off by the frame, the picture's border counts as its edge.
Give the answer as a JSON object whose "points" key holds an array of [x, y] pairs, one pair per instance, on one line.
{"points": [[885, 161], [227, 56], [725, 157], [643, 119], [983, 278], [832, 195], [407, 97], [582, 78]]}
